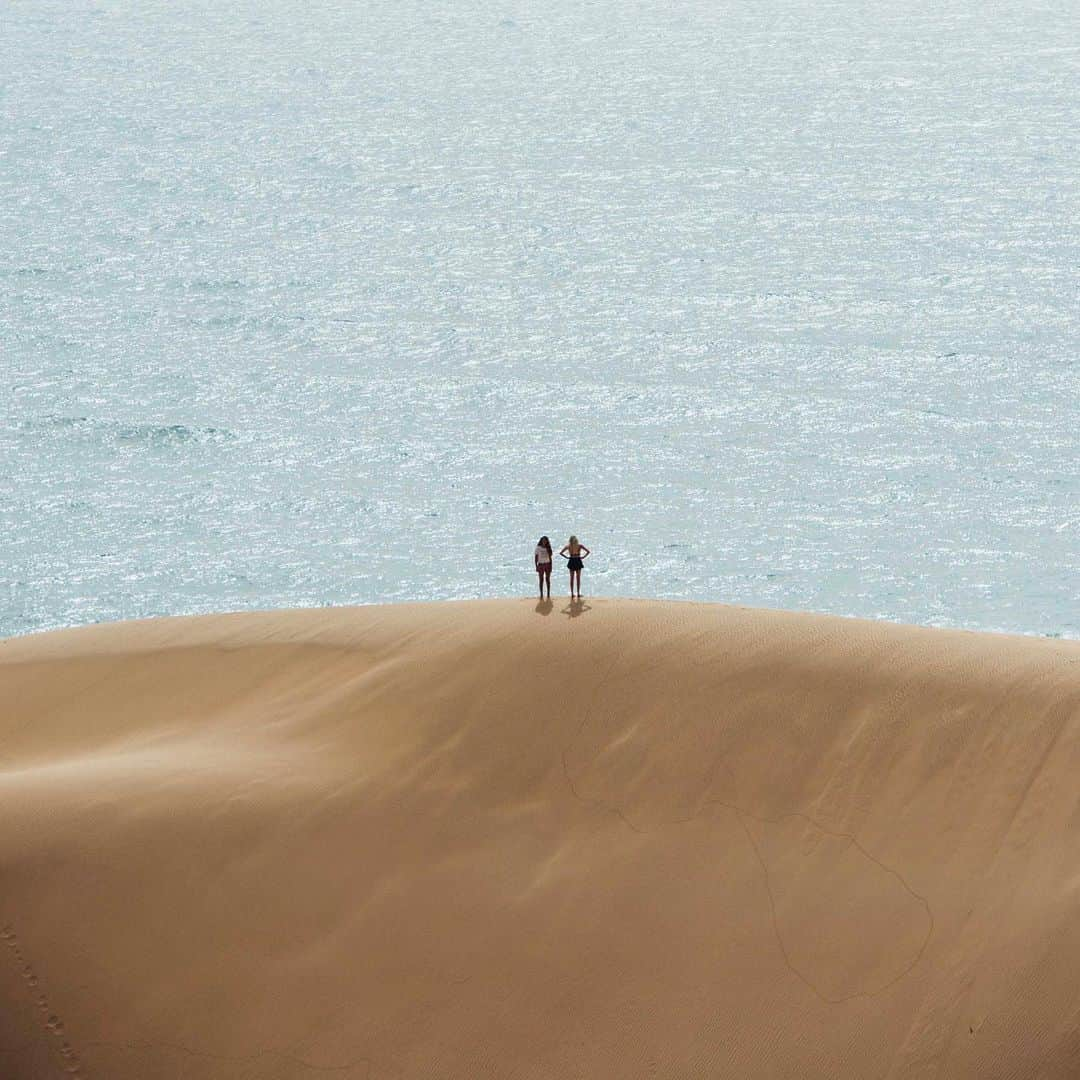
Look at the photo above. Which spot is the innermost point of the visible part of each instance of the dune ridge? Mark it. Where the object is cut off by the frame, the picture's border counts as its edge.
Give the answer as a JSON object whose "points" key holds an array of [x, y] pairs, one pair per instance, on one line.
{"points": [[624, 839]]}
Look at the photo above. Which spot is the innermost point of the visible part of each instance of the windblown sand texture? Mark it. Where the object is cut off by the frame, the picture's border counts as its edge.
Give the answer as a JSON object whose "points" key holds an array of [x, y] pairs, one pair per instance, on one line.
{"points": [[620, 840]]}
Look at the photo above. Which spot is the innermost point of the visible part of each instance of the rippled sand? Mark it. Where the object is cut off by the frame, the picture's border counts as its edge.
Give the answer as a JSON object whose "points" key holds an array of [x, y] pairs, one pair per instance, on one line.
{"points": [[614, 839]]}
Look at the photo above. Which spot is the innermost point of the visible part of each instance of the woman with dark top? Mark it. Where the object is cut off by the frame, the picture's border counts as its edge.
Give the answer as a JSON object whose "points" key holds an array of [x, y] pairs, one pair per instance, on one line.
{"points": [[542, 559], [578, 553]]}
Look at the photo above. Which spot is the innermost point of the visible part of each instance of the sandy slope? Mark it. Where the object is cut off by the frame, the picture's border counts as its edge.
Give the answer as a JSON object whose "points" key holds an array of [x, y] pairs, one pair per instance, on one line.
{"points": [[475, 840]]}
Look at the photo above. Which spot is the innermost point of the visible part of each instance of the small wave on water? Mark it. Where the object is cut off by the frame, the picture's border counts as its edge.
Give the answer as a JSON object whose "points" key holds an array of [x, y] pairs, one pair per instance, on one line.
{"points": [[212, 285], [145, 433], [172, 433]]}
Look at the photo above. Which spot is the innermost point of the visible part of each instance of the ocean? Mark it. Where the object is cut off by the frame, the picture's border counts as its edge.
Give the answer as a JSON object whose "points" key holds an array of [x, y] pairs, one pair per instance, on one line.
{"points": [[772, 304]]}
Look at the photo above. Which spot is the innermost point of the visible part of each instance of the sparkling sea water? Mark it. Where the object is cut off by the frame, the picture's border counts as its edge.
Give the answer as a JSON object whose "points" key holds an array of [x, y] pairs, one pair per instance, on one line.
{"points": [[347, 301]]}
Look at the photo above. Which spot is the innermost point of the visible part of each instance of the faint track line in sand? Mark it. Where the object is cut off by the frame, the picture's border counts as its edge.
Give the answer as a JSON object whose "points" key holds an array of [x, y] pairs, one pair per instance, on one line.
{"points": [[52, 1024], [54, 1027], [742, 814]]}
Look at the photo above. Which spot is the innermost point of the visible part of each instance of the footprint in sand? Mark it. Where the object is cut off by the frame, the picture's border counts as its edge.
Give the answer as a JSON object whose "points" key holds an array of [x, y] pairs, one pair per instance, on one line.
{"points": [[53, 1024]]}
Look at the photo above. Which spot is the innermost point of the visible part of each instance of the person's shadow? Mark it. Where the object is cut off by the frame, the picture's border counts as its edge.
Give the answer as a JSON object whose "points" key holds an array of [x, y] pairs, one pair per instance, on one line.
{"points": [[576, 608], [544, 607]]}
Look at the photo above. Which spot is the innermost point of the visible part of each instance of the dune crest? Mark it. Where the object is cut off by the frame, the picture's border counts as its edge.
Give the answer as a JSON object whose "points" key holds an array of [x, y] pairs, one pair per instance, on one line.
{"points": [[486, 839]]}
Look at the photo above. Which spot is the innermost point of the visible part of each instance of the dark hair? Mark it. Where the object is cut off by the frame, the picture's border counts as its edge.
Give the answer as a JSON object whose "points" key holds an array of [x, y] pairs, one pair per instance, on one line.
{"points": [[545, 543]]}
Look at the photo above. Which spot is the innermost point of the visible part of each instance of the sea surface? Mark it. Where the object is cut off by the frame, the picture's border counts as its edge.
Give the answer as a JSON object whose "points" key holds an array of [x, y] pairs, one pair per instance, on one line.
{"points": [[347, 301]]}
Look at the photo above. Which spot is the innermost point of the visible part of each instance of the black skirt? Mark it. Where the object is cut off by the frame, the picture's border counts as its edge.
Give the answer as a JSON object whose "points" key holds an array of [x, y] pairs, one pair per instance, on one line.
{"points": [[574, 563]]}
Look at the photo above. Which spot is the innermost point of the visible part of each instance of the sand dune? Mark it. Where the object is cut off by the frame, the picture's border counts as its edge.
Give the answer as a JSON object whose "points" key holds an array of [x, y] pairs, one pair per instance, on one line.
{"points": [[474, 840]]}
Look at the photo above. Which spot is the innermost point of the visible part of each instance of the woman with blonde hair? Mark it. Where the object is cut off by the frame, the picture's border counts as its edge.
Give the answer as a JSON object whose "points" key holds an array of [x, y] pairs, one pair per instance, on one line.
{"points": [[578, 553]]}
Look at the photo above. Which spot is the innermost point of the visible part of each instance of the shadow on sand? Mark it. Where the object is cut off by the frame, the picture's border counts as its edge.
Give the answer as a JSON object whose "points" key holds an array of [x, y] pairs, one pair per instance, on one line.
{"points": [[576, 608]]}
